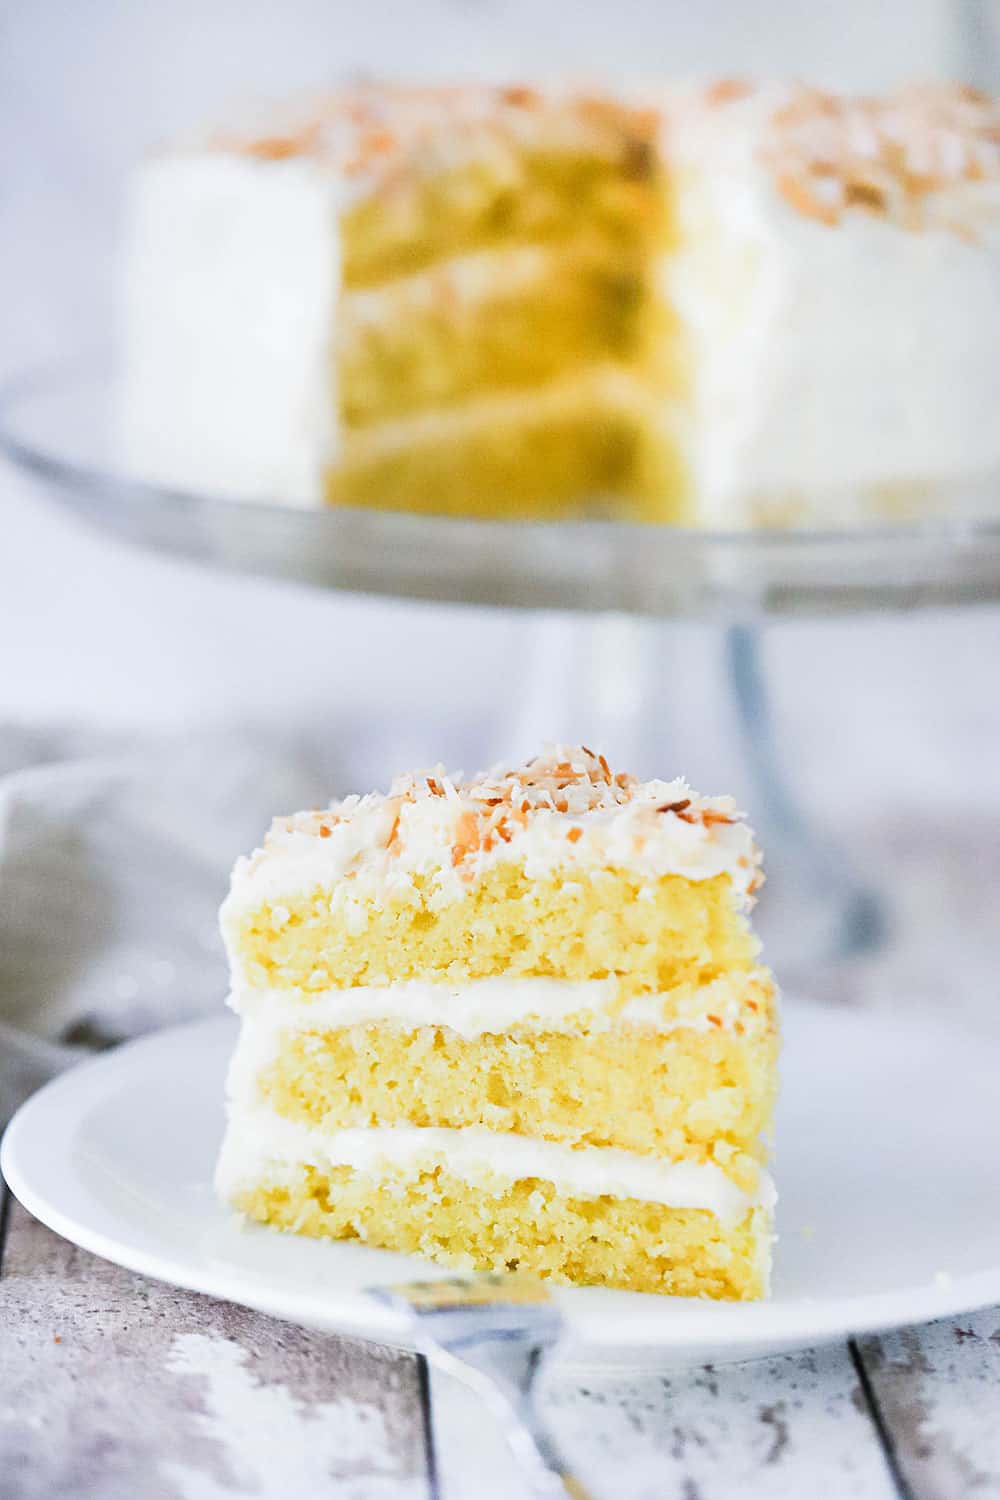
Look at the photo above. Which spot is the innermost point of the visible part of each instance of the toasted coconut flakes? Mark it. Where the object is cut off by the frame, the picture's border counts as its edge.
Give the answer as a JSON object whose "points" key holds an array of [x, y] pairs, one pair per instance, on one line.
{"points": [[282, 147], [887, 156], [861, 194], [800, 196], [521, 98], [726, 90], [491, 810], [466, 837]]}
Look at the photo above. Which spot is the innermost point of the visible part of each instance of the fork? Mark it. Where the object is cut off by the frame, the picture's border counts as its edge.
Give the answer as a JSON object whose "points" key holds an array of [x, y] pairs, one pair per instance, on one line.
{"points": [[493, 1332]]}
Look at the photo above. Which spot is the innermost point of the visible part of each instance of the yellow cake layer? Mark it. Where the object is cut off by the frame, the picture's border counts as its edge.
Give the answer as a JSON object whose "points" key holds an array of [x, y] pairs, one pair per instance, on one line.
{"points": [[527, 1226], [600, 217], [655, 933], [683, 1094], [581, 447], [504, 195], [494, 321]]}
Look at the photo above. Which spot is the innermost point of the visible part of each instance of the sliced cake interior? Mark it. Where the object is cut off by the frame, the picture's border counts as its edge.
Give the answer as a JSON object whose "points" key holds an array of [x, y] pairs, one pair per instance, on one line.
{"points": [[494, 341], [518, 1022]]}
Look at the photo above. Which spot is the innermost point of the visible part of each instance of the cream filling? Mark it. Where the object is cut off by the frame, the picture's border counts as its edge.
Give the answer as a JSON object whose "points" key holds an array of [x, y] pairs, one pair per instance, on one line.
{"points": [[261, 1147], [611, 386], [459, 284], [492, 1005]]}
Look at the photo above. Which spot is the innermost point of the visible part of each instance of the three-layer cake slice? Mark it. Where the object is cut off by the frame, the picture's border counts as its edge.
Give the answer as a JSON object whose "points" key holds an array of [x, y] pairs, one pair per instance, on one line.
{"points": [[516, 1022]]}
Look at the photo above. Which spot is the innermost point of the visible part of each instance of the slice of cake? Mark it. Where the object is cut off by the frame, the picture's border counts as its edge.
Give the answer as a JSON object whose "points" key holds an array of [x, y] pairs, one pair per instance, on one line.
{"points": [[516, 1022], [735, 305]]}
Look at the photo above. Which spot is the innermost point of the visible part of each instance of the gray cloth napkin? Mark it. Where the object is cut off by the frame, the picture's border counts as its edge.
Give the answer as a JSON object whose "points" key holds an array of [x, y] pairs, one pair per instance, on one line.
{"points": [[113, 862]]}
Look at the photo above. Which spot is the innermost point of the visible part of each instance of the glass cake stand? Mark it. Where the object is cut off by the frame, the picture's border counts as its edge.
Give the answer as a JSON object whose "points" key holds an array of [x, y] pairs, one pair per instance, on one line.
{"points": [[56, 424]]}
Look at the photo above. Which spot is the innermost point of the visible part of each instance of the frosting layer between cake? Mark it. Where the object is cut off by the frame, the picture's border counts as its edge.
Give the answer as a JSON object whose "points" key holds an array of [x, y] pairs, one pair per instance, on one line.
{"points": [[495, 1004], [260, 1143]]}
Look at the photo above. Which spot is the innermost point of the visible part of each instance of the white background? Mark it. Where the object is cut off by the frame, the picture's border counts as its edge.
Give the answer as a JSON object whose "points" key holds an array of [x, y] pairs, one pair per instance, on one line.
{"points": [[93, 633]]}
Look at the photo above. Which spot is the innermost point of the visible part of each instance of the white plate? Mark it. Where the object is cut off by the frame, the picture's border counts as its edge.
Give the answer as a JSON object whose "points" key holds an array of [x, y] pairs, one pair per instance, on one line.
{"points": [[887, 1170]]}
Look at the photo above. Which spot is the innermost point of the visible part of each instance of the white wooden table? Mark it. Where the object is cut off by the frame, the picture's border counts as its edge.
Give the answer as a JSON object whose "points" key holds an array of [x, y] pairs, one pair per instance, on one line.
{"points": [[113, 1387]]}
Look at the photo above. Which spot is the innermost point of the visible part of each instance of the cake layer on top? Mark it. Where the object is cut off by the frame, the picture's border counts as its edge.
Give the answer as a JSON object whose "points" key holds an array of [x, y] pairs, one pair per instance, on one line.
{"points": [[556, 869]]}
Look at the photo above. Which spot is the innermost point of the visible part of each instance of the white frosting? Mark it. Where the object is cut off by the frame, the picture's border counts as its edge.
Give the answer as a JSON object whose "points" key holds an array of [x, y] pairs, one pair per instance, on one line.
{"points": [[231, 283], [461, 282], [260, 1145], [837, 368], [478, 1007], [374, 845]]}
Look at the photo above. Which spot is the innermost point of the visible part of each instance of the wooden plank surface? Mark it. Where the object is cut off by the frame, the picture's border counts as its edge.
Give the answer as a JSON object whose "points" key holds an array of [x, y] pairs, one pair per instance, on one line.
{"points": [[937, 1389], [113, 1387], [789, 1428]]}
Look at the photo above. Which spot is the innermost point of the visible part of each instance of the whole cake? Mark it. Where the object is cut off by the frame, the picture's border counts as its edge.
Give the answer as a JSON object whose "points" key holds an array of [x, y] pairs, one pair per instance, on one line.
{"points": [[729, 306], [517, 1022]]}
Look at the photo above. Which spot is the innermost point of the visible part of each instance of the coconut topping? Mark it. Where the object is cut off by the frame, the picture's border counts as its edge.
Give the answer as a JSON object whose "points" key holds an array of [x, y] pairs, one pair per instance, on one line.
{"points": [[891, 156], [829, 153], [571, 782], [566, 807], [375, 128]]}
